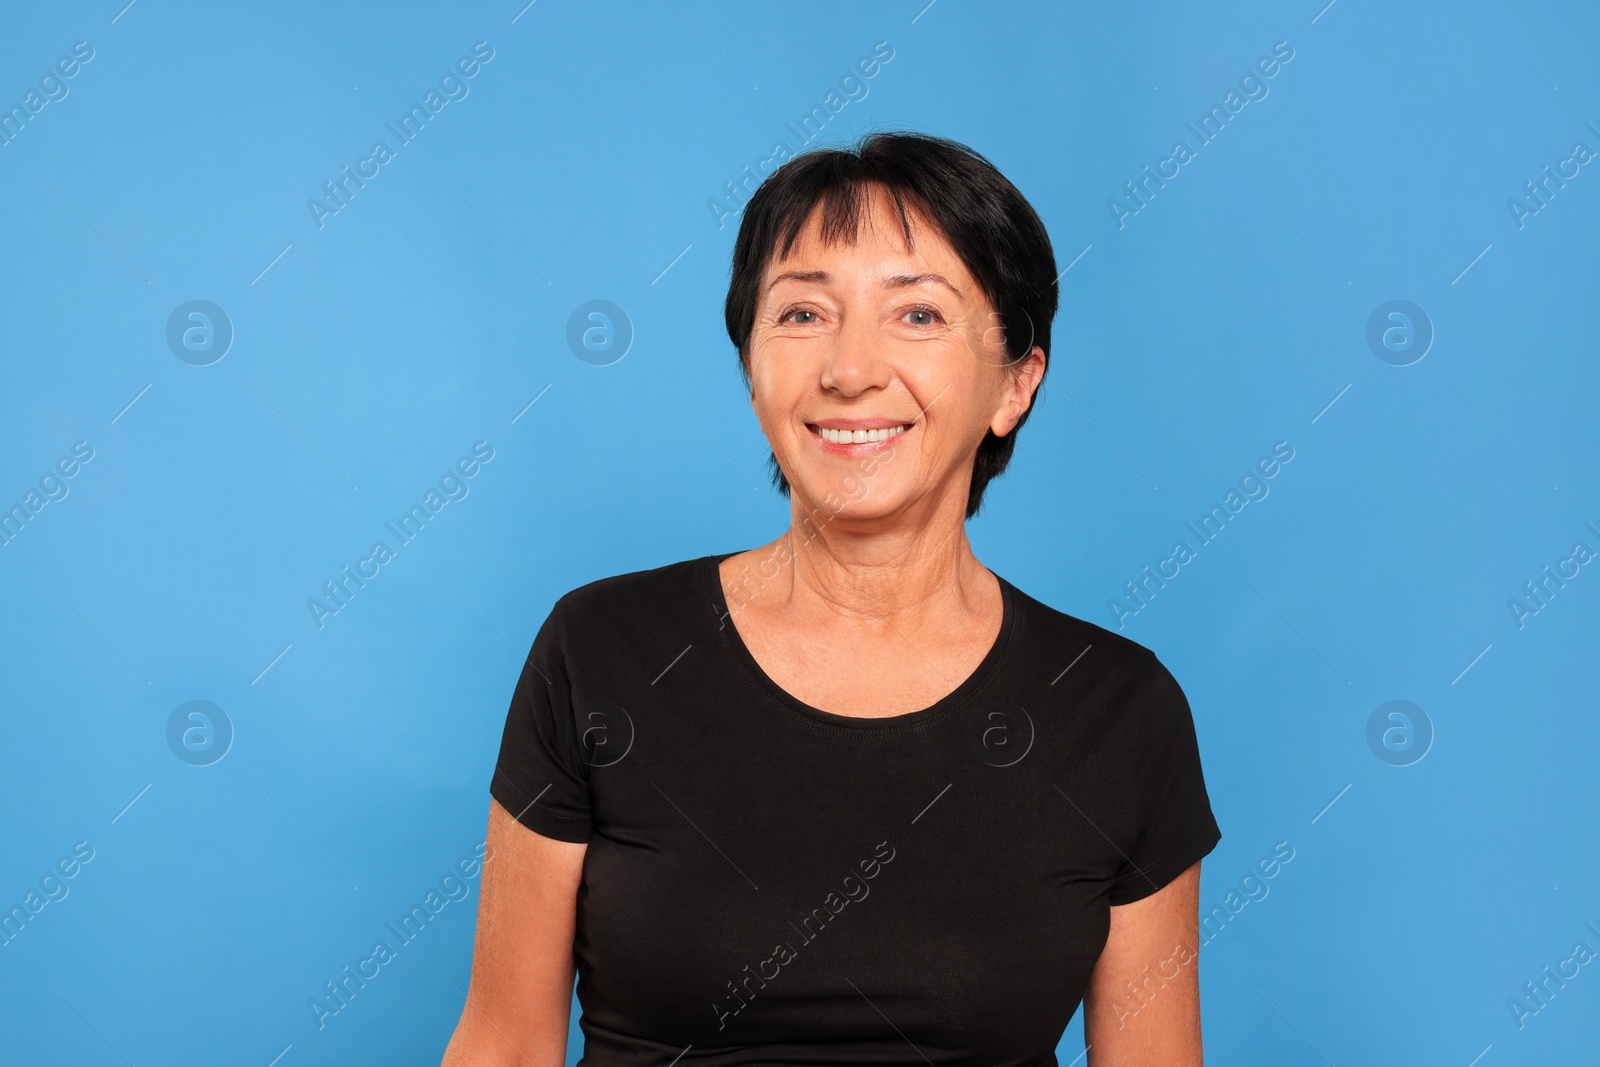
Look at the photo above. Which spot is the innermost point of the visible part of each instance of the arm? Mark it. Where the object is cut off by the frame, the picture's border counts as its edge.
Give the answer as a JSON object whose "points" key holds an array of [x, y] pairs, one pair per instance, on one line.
{"points": [[1143, 1001], [520, 998]]}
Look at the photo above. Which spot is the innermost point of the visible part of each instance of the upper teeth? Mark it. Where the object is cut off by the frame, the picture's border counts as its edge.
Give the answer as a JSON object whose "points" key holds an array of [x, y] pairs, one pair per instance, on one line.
{"points": [[850, 437]]}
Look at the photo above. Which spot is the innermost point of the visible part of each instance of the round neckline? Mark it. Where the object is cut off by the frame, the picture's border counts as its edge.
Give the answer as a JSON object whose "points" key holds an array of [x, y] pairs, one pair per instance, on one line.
{"points": [[711, 576]]}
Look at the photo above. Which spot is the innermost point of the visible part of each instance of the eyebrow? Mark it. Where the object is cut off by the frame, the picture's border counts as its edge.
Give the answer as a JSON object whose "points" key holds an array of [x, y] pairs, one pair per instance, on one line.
{"points": [[894, 281]]}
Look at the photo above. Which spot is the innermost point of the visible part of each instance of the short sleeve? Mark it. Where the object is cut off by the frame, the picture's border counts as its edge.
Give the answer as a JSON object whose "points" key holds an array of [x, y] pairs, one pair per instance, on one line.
{"points": [[540, 776], [1176, 826]]}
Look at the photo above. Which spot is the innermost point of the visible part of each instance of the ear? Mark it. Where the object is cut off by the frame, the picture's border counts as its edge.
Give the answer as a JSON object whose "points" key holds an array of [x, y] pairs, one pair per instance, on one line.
{"points": [[1023, 378]]}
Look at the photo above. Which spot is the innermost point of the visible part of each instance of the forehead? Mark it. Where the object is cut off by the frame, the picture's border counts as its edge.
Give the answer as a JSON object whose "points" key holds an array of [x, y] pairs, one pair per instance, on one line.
{"points": [[874, 238]]}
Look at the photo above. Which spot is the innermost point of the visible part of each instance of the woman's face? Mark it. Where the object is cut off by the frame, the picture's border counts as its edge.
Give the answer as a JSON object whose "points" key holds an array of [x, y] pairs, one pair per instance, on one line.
{"points": [[872, 336]]}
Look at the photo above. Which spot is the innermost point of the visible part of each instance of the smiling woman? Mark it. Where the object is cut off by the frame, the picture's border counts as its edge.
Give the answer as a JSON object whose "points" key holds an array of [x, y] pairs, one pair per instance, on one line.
{"points": [[857, 681]]}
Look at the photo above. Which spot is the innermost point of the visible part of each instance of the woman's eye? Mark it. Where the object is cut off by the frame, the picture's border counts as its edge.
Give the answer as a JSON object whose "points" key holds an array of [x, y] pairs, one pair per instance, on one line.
{"points": [[789, 316], [928, 316]]}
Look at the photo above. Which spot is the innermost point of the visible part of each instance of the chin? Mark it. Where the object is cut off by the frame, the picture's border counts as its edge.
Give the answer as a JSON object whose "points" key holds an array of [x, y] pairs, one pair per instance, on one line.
{"points": [[833, 504]]}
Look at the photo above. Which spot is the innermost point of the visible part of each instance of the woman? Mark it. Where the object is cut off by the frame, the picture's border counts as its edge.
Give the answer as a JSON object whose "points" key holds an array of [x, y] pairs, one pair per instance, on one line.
{"points": [[850, 797]]}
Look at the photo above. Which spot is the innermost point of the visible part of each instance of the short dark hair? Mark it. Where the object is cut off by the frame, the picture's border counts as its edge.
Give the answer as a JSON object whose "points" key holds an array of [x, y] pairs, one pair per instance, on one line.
{"points": [[989, 224]]}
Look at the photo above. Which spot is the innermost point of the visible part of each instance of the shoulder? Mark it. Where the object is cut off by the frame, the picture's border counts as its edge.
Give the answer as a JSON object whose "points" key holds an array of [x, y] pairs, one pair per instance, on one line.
{"points": [[637, 615], [620, 596], [1051, 633], [1101, 691]]}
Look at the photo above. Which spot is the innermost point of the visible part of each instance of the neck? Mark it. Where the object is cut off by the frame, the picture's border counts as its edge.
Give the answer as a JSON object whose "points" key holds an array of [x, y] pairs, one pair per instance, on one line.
{"points": [[844, 570], [880, 576]]}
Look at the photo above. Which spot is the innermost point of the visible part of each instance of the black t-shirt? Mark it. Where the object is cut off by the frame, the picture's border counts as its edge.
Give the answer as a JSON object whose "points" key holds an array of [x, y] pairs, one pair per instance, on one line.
{"points": [[770, 883]]}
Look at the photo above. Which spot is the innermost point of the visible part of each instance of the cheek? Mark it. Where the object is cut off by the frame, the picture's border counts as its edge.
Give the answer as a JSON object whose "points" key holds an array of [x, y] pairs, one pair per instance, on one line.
{"points": [[764, 390], [958, 391], [773, 401], [778, 382], [762, 376]]}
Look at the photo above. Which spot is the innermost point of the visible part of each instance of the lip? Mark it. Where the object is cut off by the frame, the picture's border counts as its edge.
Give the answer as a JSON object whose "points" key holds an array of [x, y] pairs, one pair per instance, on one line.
{"points": [[863, 447], [859, 424]]}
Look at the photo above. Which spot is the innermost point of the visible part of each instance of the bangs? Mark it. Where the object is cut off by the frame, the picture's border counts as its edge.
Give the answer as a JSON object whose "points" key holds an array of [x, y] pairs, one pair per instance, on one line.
{"points": [[844, 206]]}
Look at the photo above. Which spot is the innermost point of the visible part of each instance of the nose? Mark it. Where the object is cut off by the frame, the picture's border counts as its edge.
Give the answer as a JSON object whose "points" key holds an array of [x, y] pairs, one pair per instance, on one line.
{"points": [[854, 363]]}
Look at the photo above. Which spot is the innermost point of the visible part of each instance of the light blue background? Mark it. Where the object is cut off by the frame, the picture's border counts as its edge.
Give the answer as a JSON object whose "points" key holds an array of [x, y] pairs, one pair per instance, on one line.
{"points": [[427, 314]]}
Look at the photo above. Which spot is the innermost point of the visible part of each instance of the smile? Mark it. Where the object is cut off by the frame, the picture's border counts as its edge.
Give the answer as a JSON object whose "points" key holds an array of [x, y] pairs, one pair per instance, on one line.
{"points": [[848, 437], [849, 442]]}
